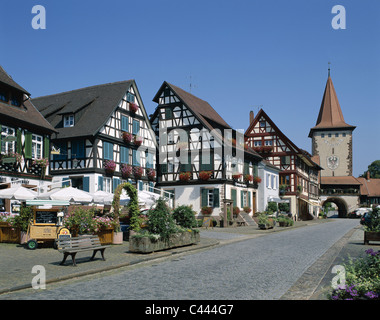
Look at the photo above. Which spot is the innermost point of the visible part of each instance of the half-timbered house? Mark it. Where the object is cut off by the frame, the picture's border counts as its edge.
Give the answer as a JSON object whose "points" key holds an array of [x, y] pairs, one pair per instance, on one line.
{"points": [[299, 173], [201, 159], [104, 137], [24, 140]]}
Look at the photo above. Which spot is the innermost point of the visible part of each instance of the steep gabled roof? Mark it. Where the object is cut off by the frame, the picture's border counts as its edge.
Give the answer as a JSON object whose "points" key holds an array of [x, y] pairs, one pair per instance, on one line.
{"points": [[95, 105], [330, 114], [300, 152], [201, 108], [205, 113], [7, 79], [370, 187], [26, 115]]}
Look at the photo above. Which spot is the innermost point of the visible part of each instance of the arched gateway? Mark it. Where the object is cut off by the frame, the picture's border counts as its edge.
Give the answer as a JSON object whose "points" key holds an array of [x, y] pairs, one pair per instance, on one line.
{"points": [[340, 203]]}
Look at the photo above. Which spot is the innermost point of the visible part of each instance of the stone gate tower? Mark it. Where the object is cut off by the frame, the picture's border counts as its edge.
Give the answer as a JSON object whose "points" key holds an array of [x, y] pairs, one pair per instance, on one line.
{"points": [[332, 136]]}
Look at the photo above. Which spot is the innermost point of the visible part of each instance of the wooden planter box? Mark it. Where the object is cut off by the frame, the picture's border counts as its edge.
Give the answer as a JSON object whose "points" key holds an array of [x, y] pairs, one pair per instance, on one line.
{"points": [[105, 236], [9, 234], [371, 236], [146, 245]]}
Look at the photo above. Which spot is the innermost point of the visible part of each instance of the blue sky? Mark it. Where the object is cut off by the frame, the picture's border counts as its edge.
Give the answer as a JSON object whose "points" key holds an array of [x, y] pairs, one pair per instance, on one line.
{"points": [[238, 55]]}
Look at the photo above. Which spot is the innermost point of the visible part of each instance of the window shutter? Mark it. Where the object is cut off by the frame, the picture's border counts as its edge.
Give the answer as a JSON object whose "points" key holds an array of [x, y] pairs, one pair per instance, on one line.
{"points": [[28, 145], [124, 123], [115, 183], [204, 196], [46, 147], [140, 185], [135, 127], [100, 183], [19, 143], [241, 198], [0, 136], [249, 199], [86, 184], [216, 198], [233, 197], [164, 168], [123, 155], [107, 151]]}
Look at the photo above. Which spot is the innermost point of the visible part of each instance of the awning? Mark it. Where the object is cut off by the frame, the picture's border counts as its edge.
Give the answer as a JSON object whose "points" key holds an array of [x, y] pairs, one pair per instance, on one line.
{"points": [[47, 202], [311, 202], [278, 200]]}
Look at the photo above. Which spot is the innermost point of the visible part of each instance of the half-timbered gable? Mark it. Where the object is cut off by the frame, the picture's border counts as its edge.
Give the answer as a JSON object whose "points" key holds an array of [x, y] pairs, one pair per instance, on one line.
{"points": [[104, 136], [299, 173], [24, 139], [199, 153]]}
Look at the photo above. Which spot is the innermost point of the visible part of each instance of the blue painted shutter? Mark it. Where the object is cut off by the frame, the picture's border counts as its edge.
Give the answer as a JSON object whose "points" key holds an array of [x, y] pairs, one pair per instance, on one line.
{"points": [[136, 127], [204, 197], [100, 183], [124, 123], [115, 183], [107, 151], [216, 198], [86, 184], [140, 185], [124, 155]]}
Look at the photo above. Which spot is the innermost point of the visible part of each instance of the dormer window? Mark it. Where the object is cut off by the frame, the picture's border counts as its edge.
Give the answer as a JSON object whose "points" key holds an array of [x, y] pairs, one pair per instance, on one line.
{"points": [[68, 121], [3, 96], [15, 102]]}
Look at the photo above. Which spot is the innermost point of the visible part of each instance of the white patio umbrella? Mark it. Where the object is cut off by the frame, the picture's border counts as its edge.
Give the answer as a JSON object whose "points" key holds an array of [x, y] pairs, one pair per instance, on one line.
{"points": [[69, 193], [18, 193], [102, 197], [149, 198]]}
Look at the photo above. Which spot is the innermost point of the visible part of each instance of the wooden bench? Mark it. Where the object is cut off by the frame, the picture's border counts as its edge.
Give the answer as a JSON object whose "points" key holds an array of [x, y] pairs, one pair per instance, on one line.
{"points": [[71, 246]]}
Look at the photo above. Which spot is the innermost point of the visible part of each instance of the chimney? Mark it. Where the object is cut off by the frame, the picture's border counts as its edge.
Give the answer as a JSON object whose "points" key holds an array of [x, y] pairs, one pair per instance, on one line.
{"points": [[251, 117], [368, 176]]}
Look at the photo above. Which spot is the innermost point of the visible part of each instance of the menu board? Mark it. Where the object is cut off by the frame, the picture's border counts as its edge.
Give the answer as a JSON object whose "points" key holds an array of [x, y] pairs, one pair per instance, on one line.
{"points": [[45, 216]]}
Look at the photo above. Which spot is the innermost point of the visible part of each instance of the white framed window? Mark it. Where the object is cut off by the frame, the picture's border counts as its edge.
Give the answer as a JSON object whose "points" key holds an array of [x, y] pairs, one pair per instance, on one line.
{"points": [[68, 120], [107, 184], [268, 143], [7, 146], [36, 146], [210, 198], [257, 143]]}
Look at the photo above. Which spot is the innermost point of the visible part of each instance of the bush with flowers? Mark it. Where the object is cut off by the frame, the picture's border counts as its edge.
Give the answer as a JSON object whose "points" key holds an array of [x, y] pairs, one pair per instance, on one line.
{"points": [[151, 173], [127, 137], [138, 172], [42, 162], [126, 171], [362, 279], [109, 166]]}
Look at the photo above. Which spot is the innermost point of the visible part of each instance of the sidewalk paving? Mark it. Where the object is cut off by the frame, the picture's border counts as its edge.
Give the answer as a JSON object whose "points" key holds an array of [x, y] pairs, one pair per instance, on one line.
{"points": [[16, 261]]}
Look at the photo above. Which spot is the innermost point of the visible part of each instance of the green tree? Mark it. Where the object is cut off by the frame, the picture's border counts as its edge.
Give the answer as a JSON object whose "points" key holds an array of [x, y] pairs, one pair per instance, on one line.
{"points": [[373, 169]]}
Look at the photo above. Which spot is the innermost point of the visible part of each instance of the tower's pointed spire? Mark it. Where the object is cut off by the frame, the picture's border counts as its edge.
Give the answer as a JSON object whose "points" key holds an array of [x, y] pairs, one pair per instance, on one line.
{"points": [[330, 114]]}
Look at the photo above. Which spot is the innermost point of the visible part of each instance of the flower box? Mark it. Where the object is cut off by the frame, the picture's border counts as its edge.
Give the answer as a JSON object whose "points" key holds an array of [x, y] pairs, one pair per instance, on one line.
{"points": [[105, 235], [371, 236], [138, 172], [127, 137], [110, 166], [147, 245], [151, 174], [184, 176], [9, 234], [236, 176], [205, 175], [207, 210], [133, 107], [137, 140], [126, 171]]}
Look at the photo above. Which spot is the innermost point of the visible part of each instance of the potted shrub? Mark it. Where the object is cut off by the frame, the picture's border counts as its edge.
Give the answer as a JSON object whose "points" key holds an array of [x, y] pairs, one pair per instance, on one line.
{"points": [[205, 175], [126, 171], [184, 176], [138, 172], [236, 211], [127, 137], [265, 222], [151, 174], [207, 210], [110, 166], [372, 226], [133, 107], [247, 209]]}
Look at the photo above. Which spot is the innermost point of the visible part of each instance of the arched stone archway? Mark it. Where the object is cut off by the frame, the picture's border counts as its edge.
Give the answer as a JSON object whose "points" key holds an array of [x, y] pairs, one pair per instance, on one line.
{"points": [[341, 204]]}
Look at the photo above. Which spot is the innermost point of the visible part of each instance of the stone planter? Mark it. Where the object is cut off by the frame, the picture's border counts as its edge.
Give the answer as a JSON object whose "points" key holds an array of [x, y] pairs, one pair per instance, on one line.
{"points": [[146, 245], [371, 236]]}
